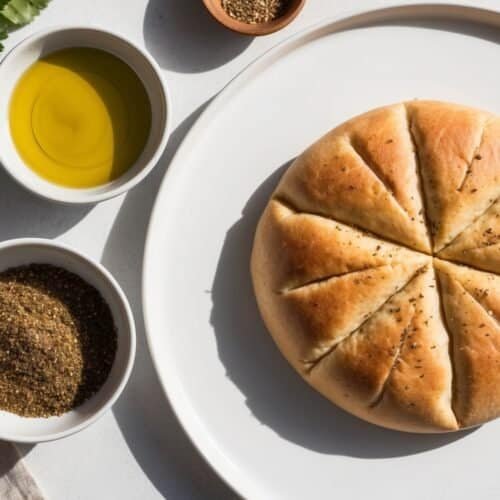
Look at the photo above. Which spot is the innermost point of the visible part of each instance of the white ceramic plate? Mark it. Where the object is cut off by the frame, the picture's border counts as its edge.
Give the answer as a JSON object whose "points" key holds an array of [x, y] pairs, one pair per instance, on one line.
{"points": [[251, 416]]}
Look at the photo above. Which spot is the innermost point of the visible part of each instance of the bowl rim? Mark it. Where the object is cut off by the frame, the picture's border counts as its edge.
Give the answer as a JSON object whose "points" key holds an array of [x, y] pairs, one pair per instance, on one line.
{"points": [[85, 196], [129, 332], [259, 29]]}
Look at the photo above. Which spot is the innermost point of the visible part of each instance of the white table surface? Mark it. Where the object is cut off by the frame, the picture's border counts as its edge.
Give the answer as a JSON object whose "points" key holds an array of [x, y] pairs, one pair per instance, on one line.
{"points": [[139, 450]]}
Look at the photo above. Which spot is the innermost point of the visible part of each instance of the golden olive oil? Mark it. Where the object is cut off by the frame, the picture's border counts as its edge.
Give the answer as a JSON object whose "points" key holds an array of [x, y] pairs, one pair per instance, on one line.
{"points": [[80, 117]]}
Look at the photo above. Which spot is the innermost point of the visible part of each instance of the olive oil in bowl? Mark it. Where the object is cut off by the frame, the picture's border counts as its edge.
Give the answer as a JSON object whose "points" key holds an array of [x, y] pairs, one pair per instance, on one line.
{"points": [[80, 117]]}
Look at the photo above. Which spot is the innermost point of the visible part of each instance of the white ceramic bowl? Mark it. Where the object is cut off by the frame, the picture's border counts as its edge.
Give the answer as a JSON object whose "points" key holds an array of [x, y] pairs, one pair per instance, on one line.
{"points": [[31, 49], [34, 430]]}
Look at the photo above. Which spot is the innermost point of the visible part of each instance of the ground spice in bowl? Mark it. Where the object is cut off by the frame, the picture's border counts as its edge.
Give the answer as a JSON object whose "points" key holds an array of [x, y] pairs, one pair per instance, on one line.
{"points": [[255, 11], [57, 340]]}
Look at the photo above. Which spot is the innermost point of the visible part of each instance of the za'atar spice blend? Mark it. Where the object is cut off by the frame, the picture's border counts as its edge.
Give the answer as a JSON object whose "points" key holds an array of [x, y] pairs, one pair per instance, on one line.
{"points": [[255, 11], [57, 340]]}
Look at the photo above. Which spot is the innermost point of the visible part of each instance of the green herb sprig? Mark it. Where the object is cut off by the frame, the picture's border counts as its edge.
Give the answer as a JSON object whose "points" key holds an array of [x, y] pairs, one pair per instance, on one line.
{"points": [[17, 13]]}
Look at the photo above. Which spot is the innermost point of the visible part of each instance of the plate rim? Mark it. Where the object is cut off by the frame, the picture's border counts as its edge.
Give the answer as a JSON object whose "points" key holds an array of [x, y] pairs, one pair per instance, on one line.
{"points": [[172, 388]]}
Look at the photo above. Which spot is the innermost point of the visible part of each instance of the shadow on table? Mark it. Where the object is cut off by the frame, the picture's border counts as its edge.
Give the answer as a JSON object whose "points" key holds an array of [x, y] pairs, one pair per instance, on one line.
{"points": [[145, 418], [274, 393], [184, 37], [11, 454], [22, 214]]}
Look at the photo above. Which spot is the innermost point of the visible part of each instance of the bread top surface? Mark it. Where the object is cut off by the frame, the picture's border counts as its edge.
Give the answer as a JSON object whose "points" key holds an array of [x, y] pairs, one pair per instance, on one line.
{"points": [[352, 273]]}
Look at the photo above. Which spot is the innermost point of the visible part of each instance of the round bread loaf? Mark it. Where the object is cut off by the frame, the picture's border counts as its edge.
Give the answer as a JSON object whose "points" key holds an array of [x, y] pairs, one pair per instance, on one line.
{"points": [[375, 266]]}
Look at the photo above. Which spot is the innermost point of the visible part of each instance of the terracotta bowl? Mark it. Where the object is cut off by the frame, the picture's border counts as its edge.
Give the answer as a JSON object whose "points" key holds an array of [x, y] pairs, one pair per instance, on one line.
{"points": [[215, 8]]}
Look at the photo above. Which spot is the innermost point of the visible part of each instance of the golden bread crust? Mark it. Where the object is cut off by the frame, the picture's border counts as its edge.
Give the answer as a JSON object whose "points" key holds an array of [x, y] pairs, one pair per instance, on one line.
{"points": [[364, 174], [345, 278]]}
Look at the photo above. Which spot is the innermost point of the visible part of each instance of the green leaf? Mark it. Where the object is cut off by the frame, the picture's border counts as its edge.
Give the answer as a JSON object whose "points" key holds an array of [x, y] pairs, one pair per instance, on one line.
{"points": [[5, 25], [17, 13], [21, 12]]}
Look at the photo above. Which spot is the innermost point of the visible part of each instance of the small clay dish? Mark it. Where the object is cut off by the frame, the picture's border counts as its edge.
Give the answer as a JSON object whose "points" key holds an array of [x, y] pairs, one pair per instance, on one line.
{"points": [[215, 8]]}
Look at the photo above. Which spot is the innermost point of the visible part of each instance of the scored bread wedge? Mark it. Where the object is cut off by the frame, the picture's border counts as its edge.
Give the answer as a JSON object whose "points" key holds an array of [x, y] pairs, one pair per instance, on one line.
{"points": [[363, 173], [395, 369], [459, 156], [294, 248], [308, 320], [317, 280], [471, 302], [479, 244]]}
